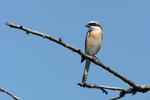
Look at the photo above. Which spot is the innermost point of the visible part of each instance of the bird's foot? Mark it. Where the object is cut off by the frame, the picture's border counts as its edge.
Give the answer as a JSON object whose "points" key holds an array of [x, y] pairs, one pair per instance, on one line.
{"points": [[95, 57]]}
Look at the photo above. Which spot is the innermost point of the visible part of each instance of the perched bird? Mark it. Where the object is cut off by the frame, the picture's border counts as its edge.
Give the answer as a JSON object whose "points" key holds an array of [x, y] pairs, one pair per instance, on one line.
{"points": [[93, 43]]}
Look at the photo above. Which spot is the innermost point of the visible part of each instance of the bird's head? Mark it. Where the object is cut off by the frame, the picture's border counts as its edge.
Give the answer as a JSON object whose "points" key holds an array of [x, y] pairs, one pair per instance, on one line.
{"points": [[93, 25]]}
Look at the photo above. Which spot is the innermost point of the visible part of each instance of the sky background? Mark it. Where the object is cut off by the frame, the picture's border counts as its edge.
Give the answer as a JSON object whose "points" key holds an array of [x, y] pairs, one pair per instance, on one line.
{"points": [[34, 68]]}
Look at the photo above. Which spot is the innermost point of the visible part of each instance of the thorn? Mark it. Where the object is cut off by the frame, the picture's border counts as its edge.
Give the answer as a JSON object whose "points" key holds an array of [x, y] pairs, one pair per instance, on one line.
{"points": [[21, 26], [79, 50], [59, 39]]}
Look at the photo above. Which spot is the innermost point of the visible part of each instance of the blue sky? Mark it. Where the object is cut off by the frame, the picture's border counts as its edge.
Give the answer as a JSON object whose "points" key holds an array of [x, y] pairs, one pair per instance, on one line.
{"points": [[34, 68]]}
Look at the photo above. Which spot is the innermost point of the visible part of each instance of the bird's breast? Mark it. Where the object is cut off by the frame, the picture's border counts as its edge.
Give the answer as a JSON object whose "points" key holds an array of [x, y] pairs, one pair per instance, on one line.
{"points": [[93, 42]]}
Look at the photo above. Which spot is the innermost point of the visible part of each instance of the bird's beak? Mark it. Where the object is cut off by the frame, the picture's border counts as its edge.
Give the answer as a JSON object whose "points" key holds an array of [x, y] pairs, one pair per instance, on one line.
{"points": [[87, 25]]}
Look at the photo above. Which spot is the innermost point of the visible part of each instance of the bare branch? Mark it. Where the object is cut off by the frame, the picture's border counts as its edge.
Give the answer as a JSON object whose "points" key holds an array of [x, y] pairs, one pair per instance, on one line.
{"points": [[101, 87], [10, 94], [95, 86], [59, 41], [134, 87]]}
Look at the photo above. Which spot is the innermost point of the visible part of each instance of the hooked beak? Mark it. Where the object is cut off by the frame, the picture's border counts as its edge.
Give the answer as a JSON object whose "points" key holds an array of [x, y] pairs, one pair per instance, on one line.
{"points": [[87, 25]]}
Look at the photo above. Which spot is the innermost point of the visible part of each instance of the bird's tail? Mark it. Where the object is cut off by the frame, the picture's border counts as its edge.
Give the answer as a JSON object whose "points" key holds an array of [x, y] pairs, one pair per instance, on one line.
{"points": [[86, 69]]}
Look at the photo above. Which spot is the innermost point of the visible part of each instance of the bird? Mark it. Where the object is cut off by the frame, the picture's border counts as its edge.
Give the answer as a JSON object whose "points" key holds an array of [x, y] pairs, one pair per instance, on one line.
{"points": [[93, 44]]}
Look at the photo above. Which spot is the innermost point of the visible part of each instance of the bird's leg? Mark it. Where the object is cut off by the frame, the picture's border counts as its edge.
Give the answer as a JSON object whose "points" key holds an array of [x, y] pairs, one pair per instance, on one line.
{"points": [[84, 78]]}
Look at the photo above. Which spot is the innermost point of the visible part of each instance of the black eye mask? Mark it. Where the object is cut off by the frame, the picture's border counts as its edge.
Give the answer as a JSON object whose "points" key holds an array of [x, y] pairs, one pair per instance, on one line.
{"points": [[93, 24]]}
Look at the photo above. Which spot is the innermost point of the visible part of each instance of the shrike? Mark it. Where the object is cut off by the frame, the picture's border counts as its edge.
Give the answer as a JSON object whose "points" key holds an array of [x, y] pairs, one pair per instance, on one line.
{"points": [[93, 43]]}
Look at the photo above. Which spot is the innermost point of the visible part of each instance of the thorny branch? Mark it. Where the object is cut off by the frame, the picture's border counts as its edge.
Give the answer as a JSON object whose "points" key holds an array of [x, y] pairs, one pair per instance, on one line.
{"points": [[134, 87]]}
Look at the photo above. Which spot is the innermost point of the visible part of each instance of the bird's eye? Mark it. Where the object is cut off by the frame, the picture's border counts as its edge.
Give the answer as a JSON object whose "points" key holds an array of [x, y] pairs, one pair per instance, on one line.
{"points": [[97, 25], [93, 24]]}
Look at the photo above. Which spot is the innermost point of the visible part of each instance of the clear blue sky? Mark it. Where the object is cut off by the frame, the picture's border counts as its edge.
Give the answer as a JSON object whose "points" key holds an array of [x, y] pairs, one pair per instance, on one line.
{"points": [[34, 68]]}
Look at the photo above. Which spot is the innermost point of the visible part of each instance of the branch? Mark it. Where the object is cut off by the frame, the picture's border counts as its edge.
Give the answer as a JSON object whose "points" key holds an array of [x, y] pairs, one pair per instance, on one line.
{"points": [[10, 94], [123, 92], [101, 87], [59, 41], [134, 87]]}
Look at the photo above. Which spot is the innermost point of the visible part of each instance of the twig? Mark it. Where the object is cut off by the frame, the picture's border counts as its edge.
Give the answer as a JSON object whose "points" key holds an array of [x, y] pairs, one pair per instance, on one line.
{"points": [[93, 86], [10, 94], [101, 87]]}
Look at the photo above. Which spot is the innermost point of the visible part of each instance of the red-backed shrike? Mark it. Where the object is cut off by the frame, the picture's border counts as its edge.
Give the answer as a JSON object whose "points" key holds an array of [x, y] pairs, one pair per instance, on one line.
{"points": [[93, 43]]}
